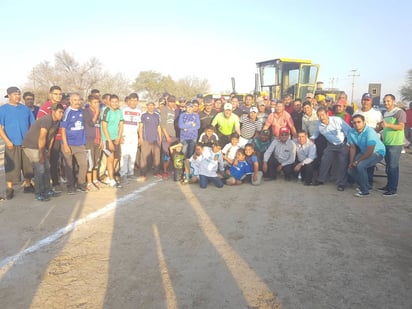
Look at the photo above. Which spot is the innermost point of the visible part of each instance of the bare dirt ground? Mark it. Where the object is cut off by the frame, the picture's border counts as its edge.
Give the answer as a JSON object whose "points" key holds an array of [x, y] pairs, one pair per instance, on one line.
{"points": [[164, 245]]}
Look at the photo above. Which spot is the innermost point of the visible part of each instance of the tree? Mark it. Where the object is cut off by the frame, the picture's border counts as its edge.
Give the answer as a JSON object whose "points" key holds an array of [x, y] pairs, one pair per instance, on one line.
{"points": [[406, 90], [190, 86], [73, 76], [152, 84]]}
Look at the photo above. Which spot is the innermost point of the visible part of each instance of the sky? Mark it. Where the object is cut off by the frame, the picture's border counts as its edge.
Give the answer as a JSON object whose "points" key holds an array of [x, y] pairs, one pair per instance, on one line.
{"points": [[214, 39]]}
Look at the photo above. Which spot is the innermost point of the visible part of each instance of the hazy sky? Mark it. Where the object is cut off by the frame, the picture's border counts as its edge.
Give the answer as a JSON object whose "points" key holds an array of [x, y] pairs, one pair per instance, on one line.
{"points": [[212, 39]]}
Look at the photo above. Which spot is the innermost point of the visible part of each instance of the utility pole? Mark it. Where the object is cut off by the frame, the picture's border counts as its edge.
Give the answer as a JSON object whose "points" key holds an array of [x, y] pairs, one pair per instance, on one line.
{"points": [[353, 75]]}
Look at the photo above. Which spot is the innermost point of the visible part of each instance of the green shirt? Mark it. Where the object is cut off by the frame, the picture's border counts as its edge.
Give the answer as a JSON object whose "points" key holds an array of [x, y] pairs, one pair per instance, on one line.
{"points": [[113, 119], [394, 137], [226, 126]]}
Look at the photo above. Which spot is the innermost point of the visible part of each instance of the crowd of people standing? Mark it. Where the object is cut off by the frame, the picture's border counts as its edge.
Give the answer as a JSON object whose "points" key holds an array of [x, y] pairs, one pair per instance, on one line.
{"points": [[98, 143]]}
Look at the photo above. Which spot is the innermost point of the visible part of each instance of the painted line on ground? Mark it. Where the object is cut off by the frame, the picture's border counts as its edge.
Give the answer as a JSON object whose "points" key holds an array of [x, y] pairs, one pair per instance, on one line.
{"points": [[9, 261]]}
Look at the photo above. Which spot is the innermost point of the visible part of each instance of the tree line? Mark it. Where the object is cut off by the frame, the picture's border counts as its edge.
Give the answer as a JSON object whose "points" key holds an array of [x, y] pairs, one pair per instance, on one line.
{"points": [[73, 76]]}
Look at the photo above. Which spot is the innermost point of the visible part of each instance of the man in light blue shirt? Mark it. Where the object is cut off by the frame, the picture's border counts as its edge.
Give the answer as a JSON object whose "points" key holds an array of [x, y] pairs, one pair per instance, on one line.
{"points": [[371, 151], [335, 130]]}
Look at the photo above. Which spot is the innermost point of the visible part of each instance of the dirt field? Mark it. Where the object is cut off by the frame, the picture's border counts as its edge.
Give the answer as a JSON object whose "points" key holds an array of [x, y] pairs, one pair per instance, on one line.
{"points": [[164, 245]]}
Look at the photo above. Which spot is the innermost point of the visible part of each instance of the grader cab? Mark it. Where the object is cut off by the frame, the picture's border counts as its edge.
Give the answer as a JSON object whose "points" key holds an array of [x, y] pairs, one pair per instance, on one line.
{"points": [[283, 76]]}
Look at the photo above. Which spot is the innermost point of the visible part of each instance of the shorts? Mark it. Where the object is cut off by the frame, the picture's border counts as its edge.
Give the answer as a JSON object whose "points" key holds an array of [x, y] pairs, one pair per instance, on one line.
{"points": [[93, 155], [15, 162], [165, 147]]}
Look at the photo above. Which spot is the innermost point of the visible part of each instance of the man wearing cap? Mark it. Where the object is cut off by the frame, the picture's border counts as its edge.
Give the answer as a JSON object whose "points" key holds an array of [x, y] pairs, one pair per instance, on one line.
{"points": [[262, 114], [36, 145], [280, 156], [373, 117], [335, 130], [15, 121], [226, 123], [280, 118], [249, 127]]}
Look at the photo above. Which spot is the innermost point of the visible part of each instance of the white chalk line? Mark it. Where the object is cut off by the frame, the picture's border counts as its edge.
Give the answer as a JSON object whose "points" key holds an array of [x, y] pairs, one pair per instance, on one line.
{"points": [[7, 262]]}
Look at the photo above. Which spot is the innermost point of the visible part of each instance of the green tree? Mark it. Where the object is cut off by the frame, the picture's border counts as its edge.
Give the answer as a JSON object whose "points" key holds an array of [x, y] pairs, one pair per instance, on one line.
{"points": [[406, 90], [153, 84]]}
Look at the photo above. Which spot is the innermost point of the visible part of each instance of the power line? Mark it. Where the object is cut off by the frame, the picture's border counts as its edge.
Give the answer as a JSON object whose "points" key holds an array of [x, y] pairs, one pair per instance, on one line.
{"points": [[353, 75]]}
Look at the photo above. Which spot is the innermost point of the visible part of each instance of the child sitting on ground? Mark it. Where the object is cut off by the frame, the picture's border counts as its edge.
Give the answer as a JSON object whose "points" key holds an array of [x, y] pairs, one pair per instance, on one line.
{"points": [[192, 165], [178, 158], [209, 166], [255, 175], [230, 149], [238, 170]]}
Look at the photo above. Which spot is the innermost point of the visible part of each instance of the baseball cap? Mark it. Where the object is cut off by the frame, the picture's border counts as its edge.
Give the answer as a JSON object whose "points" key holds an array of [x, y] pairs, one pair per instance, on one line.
{"points": [[259, 101], [265, 132], [284, 130], [253, 109], [265, 97], [227, 106], [366, 96], [310, 95], [11, 90], [199, 96], [341, 102]]}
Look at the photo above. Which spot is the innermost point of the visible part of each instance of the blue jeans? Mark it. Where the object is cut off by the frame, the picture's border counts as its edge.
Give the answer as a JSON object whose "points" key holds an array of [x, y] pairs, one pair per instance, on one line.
{"points": [[393, 154], [360, 173], [204, 180], [188, 147]]}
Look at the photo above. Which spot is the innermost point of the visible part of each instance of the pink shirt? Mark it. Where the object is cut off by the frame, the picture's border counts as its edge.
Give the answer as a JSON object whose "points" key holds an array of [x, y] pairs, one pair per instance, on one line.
{"points": [[278, 121]]}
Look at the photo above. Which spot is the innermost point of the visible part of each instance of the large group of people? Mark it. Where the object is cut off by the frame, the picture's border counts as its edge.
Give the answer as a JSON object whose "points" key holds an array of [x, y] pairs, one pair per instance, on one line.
{"points": [[99, 143]]}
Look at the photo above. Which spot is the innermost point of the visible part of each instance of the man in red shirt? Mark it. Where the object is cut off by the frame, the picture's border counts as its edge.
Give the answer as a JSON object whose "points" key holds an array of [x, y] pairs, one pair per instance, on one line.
{"points": [[55, 97], [280, 118]]}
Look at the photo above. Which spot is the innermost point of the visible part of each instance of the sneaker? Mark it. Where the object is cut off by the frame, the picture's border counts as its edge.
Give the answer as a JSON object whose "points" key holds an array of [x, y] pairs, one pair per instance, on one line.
{"points": [[41, 198], [9, 193], [71, 191], [53, 193], [82, 187], [382, 189], [62, 180], [112, 183], [132, 177], [341, 188], [361, 194], [390, 193], [29, 189]]}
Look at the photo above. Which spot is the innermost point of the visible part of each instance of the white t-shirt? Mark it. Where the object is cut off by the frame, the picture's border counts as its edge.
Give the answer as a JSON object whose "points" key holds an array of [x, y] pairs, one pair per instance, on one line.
{"points": [[131, 120], [372, 117]]}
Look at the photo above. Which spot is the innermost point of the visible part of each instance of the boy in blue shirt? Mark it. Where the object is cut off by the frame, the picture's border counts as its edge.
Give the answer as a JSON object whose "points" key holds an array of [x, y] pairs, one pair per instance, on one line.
{"points": [[238, 170]]}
